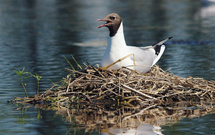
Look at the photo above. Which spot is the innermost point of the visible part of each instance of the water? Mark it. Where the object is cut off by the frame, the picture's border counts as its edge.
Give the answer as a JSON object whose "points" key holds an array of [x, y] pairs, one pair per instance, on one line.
{"points": [[37, 34]]}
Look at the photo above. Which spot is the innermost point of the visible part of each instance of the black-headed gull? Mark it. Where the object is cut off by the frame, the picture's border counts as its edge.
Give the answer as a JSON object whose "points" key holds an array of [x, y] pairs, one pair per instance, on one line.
{"points": [[118, 54]]}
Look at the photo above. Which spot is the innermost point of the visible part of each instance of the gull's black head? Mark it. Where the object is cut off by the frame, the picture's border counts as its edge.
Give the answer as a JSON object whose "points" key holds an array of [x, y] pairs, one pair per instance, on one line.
{"points": [[113, 22]]}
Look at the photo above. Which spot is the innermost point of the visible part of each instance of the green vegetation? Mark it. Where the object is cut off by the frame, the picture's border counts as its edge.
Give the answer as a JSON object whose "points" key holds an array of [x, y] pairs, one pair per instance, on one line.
{"points": [[78, 65], [38, 77], [23, 75]]}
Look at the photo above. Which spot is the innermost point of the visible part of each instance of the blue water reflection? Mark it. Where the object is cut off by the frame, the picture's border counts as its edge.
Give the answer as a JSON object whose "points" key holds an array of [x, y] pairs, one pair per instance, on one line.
{"points": [[192, 126], [37, 34]]}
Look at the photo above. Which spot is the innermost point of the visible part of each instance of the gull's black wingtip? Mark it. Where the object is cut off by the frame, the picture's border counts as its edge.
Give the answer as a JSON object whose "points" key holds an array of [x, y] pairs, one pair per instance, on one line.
{"points": [[170, 37]]}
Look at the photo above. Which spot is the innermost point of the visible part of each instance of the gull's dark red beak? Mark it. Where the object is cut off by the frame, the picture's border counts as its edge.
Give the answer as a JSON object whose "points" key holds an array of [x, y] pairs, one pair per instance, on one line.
{"points": [[104, 25]]}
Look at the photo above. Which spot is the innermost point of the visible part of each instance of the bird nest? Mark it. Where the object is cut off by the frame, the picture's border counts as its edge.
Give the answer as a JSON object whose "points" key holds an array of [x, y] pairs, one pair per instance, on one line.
{"points": [[92, 86]]}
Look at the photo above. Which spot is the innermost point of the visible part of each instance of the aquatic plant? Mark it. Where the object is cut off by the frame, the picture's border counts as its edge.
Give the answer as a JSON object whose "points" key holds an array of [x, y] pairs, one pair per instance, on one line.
{"points": [[38, 77], [78, 65], [23, 75]]}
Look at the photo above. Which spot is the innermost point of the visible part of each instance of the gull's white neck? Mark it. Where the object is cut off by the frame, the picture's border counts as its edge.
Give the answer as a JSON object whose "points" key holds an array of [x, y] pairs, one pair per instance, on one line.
{"points": [[116, 45], [118, 40]]}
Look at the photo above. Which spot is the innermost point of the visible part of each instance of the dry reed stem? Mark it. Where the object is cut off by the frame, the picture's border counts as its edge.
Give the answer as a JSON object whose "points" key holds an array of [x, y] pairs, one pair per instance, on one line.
{"points": [[138, 92]]}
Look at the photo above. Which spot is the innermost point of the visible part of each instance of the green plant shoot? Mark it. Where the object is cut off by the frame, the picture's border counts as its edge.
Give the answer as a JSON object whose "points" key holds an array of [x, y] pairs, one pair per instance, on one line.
{"points": [[77, 63], [22, 76], [79, 66], [38, 77]]}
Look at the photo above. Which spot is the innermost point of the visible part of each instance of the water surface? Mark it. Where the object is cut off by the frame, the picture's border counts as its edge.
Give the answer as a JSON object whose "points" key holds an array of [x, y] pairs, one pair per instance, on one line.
{"points": [[37, 34]]}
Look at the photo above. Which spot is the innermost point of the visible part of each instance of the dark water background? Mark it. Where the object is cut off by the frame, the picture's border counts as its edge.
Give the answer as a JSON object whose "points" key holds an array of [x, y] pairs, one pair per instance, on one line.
{"points": [[36, 34]]}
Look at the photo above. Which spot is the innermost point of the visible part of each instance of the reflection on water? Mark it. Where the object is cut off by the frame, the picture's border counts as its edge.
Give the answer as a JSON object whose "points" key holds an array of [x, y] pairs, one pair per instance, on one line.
{"points": [[37, 34], [131, 121]]}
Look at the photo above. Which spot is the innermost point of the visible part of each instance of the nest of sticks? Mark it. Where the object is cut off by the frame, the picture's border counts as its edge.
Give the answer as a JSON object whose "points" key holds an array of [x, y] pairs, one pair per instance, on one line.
{"points": [[125, 98], [124, 87]]}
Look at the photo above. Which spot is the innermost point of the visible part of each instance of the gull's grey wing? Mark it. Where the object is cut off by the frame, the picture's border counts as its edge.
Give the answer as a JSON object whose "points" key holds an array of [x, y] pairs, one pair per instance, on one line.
{"points": [[148, 55]]}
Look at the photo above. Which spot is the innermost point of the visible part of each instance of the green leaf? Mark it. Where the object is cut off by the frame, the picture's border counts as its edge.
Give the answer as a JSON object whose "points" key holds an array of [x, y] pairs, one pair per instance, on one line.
{"points": [[77, 62], [69, 63]]}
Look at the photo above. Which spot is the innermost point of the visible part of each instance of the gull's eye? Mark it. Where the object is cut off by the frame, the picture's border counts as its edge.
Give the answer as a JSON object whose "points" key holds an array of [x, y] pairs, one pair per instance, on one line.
{"points": [[113, 17]]}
